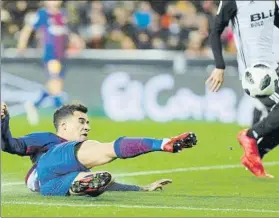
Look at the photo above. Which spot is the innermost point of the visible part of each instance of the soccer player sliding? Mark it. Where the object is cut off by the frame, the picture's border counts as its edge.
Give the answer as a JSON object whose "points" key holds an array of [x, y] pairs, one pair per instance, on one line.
{"points": [[62, 161]]}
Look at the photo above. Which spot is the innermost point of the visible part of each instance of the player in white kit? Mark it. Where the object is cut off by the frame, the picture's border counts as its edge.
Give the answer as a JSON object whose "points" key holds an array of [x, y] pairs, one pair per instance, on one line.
{"points": [[260, 110], [276, 43], [253, 24]]}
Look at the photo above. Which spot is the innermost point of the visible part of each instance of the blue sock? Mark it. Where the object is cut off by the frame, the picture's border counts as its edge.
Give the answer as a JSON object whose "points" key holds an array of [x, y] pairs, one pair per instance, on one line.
{"points": [[156, 144], [126, 147], [57, 101], [43, 96]]}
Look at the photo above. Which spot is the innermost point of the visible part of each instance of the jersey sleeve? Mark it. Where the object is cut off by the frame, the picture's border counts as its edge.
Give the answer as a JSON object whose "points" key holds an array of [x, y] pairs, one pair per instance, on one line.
{"points": [[276, 17], [226, 11], [23, 146], [39, 19], [8, 143]]}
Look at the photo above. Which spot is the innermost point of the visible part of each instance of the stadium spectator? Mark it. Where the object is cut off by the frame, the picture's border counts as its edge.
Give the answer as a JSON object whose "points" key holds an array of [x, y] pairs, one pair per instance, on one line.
{"points": [[168, 25], [143, 40], [142, 15], [127, 43], [94, 34]]}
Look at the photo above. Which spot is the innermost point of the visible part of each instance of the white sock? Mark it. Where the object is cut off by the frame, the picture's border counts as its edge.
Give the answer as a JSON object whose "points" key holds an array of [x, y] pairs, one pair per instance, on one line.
{"points": [[164, 141]]}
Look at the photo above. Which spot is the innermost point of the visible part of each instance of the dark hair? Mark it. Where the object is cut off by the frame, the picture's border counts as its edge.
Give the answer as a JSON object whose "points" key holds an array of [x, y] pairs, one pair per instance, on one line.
{"points": [[67, 110]]}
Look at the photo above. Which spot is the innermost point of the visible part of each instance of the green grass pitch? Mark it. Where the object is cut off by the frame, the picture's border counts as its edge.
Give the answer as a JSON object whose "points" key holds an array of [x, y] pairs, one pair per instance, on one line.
{"points": [[208, 180]]}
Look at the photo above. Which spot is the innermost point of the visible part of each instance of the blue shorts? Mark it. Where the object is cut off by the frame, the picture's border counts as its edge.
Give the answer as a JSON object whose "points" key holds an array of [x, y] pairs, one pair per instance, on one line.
{"points": [[58, 168], [50, 56]]}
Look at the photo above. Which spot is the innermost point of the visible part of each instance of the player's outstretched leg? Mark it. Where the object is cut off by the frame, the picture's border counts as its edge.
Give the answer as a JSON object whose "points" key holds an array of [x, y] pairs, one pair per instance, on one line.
{"points": [[178, 143], [93, 184], [126, 147], [91, 153], [251, 158]]}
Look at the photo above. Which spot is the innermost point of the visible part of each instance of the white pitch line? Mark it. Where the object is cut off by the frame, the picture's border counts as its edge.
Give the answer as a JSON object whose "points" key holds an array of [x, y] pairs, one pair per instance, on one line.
{"points": [[175, 170], [138, 206], [12, 184]]}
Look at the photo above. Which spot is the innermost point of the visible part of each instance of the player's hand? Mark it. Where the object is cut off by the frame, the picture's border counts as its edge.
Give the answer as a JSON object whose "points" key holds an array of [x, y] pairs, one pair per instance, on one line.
{"points": [[216, 79], [158, 185], [4, 110]]}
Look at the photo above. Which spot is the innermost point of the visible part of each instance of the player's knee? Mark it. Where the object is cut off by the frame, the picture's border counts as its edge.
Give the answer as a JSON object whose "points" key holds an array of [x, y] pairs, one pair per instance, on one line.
{"points": [[54, 67]]}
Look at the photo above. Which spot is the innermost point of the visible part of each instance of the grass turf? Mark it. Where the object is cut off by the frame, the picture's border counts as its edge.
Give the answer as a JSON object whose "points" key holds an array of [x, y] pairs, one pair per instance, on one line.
{"points": [[200, 192]]}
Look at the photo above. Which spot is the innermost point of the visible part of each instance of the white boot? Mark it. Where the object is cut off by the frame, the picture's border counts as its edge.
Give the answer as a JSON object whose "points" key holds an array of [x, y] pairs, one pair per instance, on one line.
{"points": [[31, 113]]}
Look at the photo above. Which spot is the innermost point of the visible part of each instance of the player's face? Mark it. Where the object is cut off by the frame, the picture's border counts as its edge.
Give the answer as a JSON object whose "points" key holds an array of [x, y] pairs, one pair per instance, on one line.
{"points": [[53, 4], [77, 127]]}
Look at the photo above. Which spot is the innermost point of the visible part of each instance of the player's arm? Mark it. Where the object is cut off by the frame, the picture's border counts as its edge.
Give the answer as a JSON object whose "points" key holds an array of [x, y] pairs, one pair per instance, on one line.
{"points": [[28, 28], [24, 36], [157, 185], [21, 145], [276, 17], [8, 143], [226, 12]]}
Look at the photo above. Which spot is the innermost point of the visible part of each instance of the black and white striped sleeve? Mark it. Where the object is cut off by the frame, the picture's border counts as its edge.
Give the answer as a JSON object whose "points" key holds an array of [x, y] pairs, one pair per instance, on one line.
{"points": [[276, 17], [226, 11]]}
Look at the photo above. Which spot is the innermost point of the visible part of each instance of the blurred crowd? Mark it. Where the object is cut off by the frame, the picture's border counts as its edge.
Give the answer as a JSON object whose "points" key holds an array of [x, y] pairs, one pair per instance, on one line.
{"points": [[160, 24]]}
